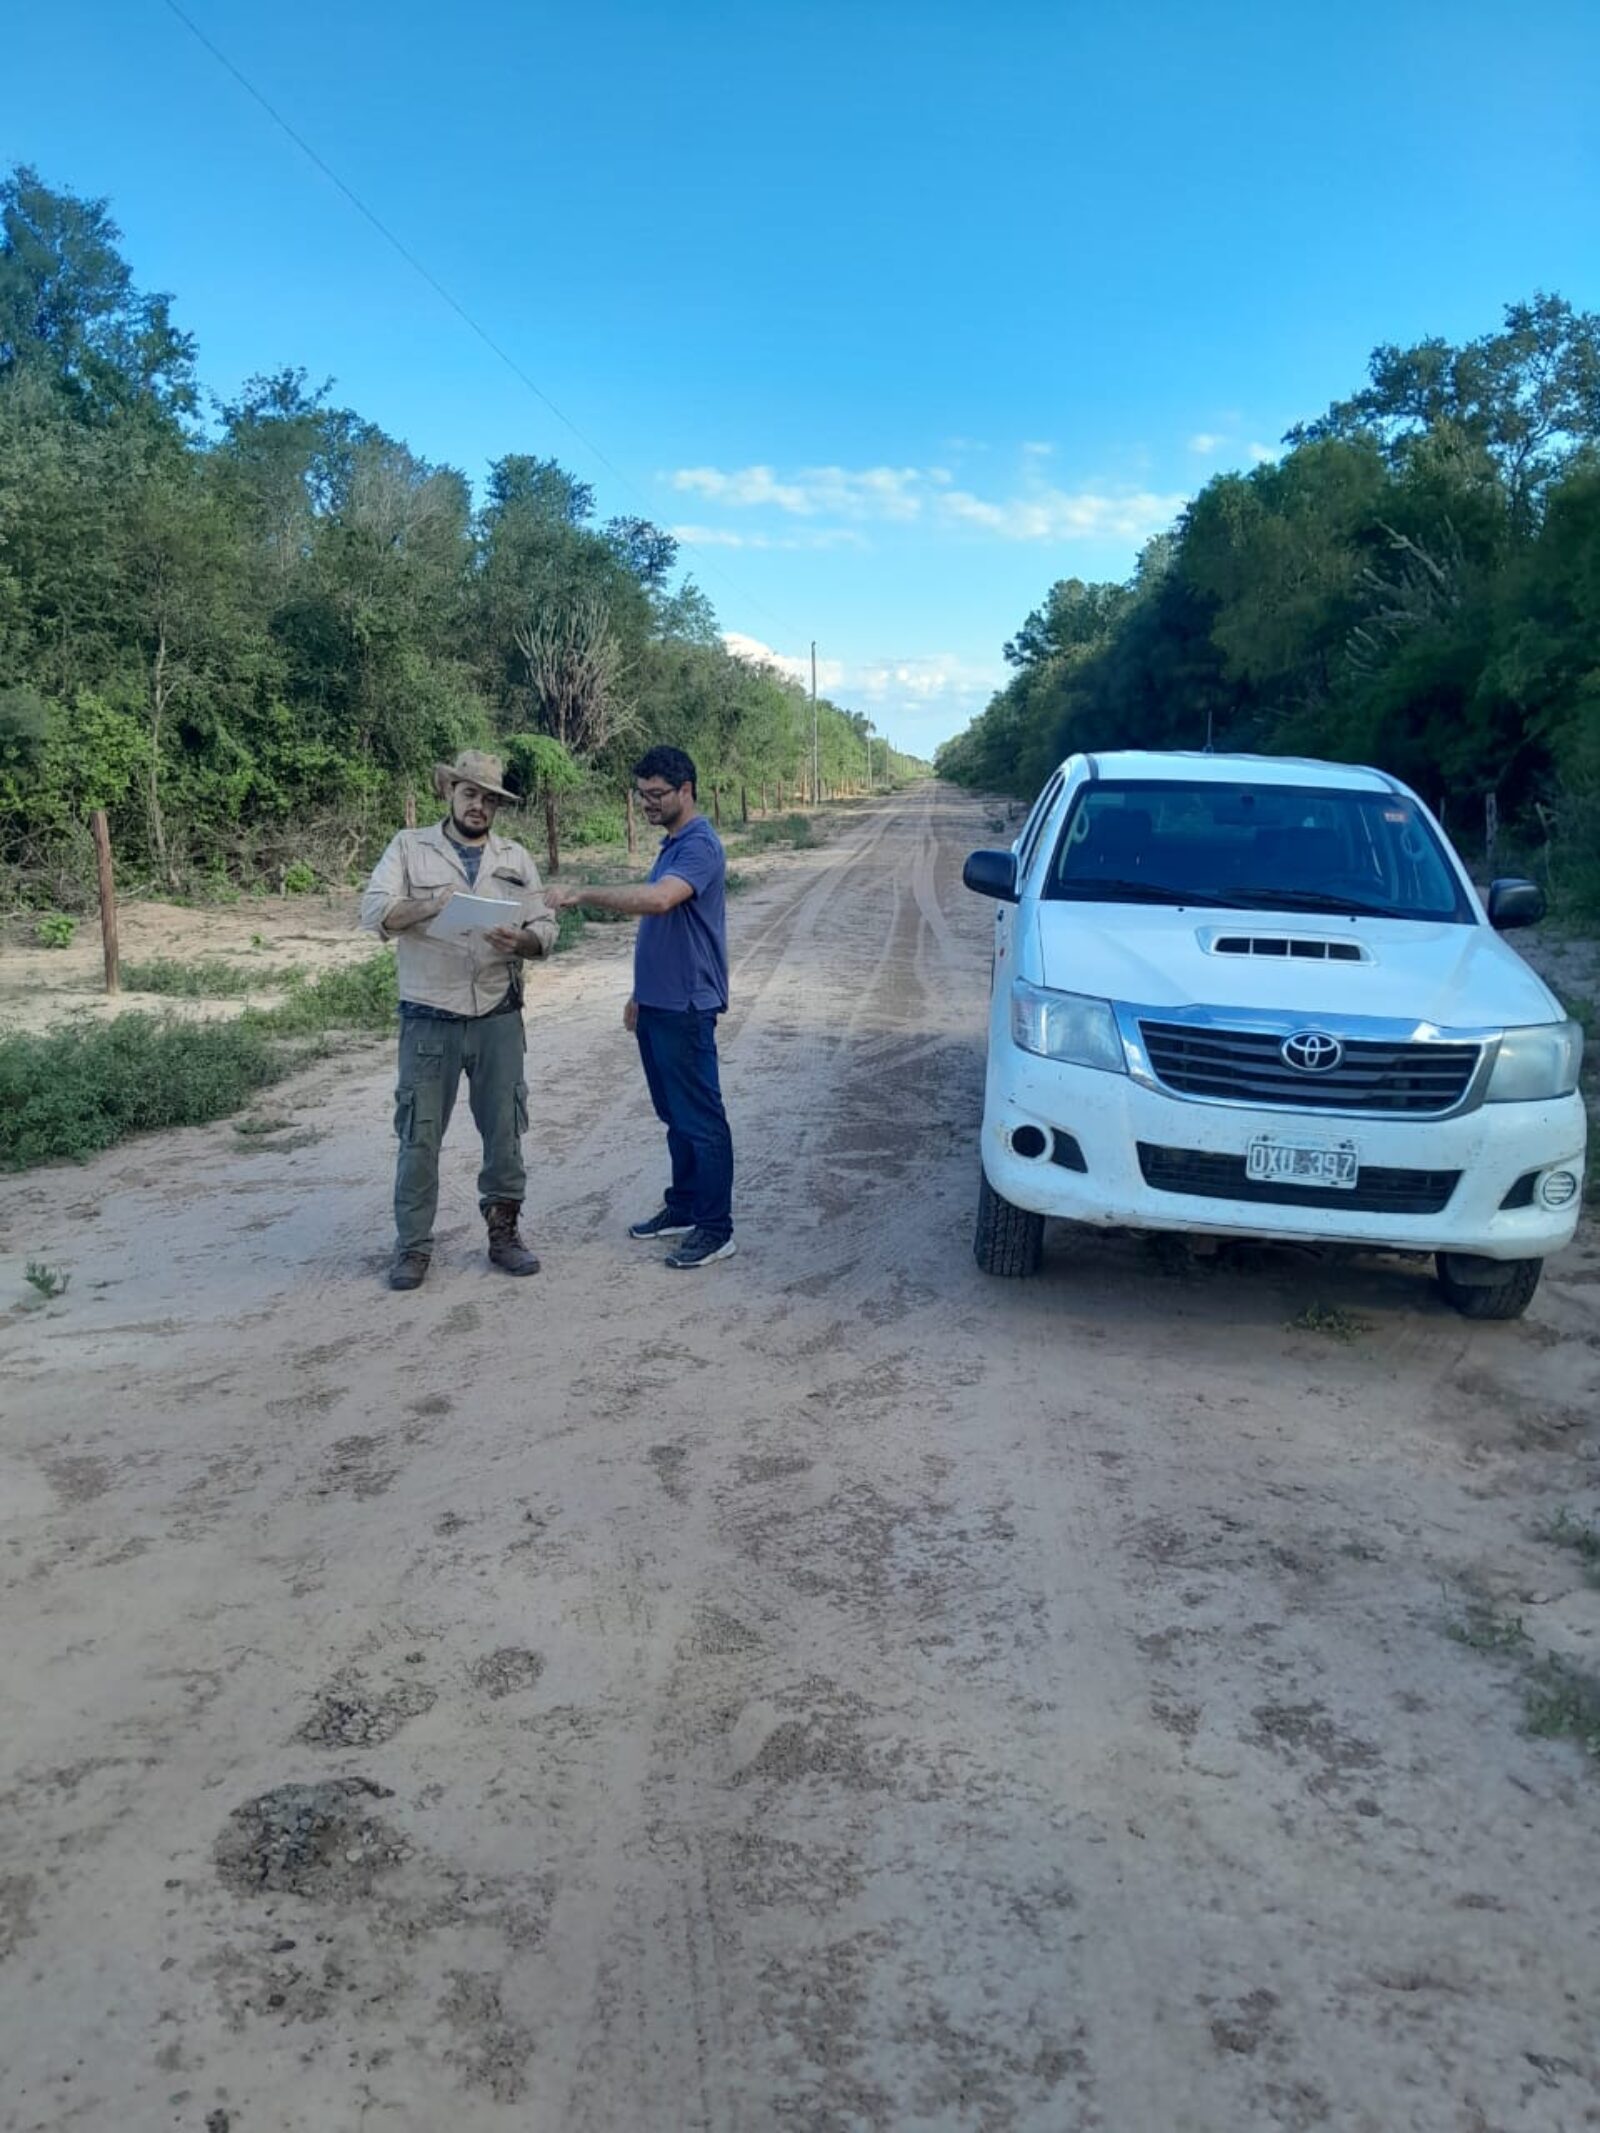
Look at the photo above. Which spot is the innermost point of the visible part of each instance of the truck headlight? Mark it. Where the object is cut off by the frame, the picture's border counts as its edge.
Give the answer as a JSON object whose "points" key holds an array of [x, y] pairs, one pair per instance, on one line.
{"points": [[1536, 1063], [1066, 1025]]}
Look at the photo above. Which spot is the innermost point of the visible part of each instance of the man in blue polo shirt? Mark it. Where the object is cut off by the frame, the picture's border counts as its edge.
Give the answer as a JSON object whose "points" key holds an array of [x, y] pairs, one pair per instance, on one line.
{"points": [[680, 986]]}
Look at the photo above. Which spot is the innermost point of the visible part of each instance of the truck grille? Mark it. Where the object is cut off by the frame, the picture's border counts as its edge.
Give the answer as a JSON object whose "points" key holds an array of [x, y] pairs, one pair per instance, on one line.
{"points": [[1204, 1175], [1247, 1066]]}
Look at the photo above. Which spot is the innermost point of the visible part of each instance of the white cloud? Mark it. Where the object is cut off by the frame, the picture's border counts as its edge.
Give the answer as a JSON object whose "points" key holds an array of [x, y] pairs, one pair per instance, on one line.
{"points": [[1205, 442], [1037, 511], [1263, 454], [926, 679], [918, 697], [1045, 514], [830, 672], [735, 537], [1038, 451], [867, 492]]}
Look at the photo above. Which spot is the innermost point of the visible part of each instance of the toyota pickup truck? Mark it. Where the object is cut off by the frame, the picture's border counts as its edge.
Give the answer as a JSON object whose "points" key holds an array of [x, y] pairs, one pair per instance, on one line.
{"points": [[1251, 996]]}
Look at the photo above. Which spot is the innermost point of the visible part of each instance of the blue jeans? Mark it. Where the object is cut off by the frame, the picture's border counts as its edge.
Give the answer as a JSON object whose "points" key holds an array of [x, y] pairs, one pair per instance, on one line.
{"points": [[679, 1052]]}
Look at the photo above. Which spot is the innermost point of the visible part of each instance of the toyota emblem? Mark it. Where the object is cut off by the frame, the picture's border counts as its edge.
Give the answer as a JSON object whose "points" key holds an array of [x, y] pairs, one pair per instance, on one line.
{"points": [[1313, 1051]]}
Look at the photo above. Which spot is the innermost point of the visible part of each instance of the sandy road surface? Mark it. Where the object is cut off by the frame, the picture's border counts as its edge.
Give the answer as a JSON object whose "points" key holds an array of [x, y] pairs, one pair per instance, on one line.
{"points": [[836, 1692]]}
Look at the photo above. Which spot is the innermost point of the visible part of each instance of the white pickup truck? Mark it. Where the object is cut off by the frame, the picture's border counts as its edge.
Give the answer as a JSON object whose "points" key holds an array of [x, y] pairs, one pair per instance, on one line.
{"points": [[1255, 997]]}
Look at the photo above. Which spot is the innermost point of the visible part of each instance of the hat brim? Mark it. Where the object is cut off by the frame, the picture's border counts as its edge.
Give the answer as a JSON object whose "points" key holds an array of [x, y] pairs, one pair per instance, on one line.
{"points": [[446, 774]]}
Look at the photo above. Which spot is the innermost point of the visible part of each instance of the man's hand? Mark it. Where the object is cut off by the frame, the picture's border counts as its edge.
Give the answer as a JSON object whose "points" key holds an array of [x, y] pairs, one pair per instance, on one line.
{"points": [[415, 910], [630, 1016], [560, 896], [514, 940]]}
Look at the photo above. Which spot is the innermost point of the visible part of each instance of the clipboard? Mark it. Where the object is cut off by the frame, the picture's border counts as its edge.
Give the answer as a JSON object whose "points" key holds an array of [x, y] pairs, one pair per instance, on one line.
{"points": [[464, 916]]}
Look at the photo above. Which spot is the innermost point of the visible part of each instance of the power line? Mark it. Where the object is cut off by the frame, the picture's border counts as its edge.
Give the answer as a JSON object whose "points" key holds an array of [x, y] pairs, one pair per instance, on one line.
{"points": [[418, 267]]}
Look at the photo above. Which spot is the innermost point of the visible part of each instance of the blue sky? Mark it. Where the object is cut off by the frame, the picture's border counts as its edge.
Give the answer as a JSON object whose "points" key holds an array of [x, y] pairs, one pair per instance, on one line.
{"points": [[896, 312]]}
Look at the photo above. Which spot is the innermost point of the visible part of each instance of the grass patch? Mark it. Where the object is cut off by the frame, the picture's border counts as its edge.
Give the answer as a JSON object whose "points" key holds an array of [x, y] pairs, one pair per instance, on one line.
{"points": [[1332, 1321], [1563, 1703], [209, 979], [68, 1094], [793, 833], [48, 1280], [1567, 1530], [1484, 1629], [569, 929], [75, 1091], [362, 995]]}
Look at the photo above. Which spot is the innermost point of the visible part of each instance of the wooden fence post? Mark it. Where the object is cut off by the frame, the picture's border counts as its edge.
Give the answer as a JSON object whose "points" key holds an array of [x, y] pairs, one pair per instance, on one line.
{"points": [[1491, 825], [108, 898], [411, 807], [716, 806], [633, 832], [744, 804]]}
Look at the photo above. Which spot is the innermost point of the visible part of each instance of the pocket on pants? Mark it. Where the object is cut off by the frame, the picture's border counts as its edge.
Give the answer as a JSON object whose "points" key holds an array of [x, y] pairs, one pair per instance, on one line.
{"points": [[419, 1100]]}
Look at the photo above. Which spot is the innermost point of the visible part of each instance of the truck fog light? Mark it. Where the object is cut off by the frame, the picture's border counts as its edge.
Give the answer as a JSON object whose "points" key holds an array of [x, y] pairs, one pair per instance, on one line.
{"points": [[1557, 1188], [1027, 1141]]}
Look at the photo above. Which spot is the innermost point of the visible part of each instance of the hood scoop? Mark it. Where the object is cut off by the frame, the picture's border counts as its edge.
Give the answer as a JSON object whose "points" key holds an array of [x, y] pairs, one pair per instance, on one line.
{"points": [[1285, 947]]}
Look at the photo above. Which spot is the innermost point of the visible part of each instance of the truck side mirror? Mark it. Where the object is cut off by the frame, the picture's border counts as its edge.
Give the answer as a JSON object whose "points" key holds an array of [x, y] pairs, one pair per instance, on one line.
{"points": [[992, 874], [1515, 903]]}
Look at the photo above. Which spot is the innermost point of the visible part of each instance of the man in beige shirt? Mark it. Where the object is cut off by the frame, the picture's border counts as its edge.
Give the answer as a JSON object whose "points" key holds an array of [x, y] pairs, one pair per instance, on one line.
{"points": [[460, 1008]]}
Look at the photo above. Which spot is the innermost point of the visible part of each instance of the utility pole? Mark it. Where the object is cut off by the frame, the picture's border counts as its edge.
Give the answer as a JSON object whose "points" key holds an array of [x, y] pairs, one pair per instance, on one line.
{"points": [[816, 759], [868, 739]]}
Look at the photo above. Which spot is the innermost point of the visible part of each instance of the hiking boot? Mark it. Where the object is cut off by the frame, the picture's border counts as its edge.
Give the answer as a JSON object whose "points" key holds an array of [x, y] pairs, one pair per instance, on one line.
{"points": [[699, 1249], [506, 1248], [660, 1225], [409, 1270]]}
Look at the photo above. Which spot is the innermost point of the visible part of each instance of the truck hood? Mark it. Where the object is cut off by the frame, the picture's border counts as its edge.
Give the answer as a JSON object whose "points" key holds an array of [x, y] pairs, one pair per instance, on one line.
{"points": [[1154, 955]]}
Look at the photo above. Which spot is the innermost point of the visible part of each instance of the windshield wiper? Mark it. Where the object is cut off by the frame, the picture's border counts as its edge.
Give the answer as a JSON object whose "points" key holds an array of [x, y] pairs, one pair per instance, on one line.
{"points": [[1261, 898], [1133, 892]]}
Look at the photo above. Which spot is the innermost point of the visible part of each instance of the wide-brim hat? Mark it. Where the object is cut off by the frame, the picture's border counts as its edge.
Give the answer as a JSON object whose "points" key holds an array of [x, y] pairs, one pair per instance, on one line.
{"points": [[472, 767]]}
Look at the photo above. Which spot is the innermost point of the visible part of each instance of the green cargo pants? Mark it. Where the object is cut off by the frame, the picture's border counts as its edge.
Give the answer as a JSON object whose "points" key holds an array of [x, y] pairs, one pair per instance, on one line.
{"points": [[433, 1056]]}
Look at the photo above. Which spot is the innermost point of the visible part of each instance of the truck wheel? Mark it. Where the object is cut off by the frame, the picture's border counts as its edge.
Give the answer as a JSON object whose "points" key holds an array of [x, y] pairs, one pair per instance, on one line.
{"points": [[1008, 1240], [1507, 1295]]}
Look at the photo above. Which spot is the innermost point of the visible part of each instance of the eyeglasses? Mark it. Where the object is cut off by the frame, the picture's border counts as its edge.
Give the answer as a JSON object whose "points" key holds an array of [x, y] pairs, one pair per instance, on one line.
{"points": [[651, 795]]}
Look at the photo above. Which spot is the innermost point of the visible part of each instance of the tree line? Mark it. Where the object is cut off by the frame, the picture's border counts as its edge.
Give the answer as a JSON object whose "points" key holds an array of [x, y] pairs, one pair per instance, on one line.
{"points": [[1414, 583], [247, 629]]}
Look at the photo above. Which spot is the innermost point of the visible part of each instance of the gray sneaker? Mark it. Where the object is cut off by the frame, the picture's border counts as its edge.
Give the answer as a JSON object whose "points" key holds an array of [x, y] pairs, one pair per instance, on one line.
{"points": [[700, 1249]]}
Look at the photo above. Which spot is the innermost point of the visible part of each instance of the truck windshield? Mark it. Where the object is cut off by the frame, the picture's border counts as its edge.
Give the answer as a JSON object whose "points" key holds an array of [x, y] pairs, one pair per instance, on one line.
{"points": [[1308, 848]]}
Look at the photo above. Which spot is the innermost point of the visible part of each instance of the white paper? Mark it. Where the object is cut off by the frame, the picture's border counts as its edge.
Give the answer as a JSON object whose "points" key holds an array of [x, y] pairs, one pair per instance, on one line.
{"points": [[466, 915]]}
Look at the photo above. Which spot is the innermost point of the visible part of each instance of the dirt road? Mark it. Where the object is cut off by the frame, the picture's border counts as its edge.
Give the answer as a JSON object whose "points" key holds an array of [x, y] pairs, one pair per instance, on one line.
{"points": [[834, 1692]]}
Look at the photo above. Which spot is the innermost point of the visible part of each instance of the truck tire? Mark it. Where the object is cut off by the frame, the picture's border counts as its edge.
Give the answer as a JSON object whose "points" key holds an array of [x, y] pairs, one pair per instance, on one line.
{"points": [[1507, 1296], [1008, 1240]]}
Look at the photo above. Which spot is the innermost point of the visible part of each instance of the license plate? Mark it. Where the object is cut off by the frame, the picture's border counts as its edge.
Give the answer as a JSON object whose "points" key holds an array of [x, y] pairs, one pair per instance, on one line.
{"points": [[1304, 1163]]}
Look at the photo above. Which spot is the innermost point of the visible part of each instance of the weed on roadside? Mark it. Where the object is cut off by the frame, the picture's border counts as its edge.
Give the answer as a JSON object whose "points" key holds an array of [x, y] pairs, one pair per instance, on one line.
{"points": [[48, 1280], [1567, 1530], [1563, 1703], [1484, 1629], [1332, 1321], [795, 833], [362, 995], [71, 1092], [569, 929], [208, 979], [259, 1123]]}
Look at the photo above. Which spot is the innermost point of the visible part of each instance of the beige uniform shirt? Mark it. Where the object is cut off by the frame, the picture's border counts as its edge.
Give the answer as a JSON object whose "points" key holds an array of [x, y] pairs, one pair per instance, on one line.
{"points": [[462, 977]]}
